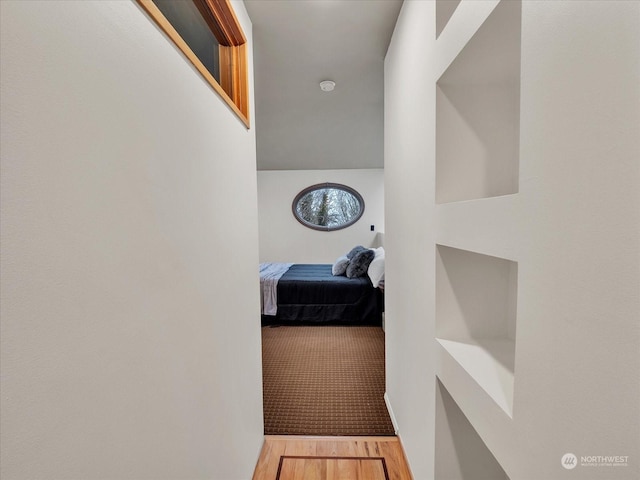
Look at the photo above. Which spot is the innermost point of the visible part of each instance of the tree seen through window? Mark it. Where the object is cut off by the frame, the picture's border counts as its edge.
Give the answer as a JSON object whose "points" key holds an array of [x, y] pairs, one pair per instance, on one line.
{"points": [[328, 206]]}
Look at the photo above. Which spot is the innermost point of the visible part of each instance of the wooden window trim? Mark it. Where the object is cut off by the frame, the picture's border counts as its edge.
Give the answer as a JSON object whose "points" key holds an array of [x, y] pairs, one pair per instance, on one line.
{"points": [[224, 24], [230, 32]]}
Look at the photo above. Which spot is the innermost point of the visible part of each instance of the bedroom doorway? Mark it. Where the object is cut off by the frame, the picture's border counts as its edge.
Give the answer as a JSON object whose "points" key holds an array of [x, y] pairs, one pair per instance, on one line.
{"points": [[323, 349]]}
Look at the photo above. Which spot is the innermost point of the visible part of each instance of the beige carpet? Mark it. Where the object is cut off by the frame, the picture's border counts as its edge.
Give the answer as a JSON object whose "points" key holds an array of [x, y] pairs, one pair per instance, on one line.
{"points": [[324, 381]]}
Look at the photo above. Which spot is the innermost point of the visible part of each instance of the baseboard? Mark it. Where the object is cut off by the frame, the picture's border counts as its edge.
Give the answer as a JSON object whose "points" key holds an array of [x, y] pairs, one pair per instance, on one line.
{"points": [[396, 430], [404, 454], [391, 415]]}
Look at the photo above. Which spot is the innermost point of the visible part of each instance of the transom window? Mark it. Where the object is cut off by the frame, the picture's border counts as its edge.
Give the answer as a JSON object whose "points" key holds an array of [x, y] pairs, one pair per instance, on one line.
{"points": [[210, 36]]}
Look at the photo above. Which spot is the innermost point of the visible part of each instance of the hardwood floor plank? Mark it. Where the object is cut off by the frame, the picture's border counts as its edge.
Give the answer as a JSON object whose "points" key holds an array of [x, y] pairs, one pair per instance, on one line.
{"points": [[331, 458], [346, 469], [372, 470], [298, 470], [331, 471]]}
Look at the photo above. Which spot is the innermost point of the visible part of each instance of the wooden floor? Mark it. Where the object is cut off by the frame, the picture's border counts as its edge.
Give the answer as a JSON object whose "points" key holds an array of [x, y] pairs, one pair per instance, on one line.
{"points": [[331, 458]]}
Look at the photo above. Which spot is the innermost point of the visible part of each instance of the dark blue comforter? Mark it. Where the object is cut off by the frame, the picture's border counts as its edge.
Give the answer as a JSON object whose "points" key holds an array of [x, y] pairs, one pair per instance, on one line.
{"points": [[310, 294]]}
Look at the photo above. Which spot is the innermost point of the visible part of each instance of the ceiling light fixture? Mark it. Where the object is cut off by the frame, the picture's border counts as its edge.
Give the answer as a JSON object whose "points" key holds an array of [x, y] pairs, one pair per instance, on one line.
{"points": [[327, 85]]}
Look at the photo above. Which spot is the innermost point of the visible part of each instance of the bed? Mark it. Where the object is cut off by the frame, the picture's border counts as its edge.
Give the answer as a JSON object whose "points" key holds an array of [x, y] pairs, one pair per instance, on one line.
{"points": [[310, 294]]}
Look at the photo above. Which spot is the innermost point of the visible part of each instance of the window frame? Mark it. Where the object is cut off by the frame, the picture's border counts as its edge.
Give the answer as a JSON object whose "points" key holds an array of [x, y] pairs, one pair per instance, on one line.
{"points": [[221, 19], [319, 186]]}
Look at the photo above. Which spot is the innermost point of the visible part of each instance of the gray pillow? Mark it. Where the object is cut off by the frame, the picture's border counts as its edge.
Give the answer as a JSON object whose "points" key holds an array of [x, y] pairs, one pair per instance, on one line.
{"points": [[354, 251], [340, 267], [360, 263]]}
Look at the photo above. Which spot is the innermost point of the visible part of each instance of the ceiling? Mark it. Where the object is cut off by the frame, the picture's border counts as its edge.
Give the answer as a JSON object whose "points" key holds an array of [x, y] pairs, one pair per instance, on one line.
{"points": [[298, 44]]}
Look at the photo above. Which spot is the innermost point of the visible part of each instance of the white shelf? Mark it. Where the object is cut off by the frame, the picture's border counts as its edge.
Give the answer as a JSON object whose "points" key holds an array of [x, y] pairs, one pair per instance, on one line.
{"points": [[477, 167], [490, 363], [444, 10], [460, 453], [476, 313], [478, 112], [484, 225]]}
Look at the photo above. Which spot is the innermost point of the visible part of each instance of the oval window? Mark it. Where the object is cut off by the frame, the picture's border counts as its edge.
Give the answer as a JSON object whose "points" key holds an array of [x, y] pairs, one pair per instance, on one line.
{"points": [[328, 206]]}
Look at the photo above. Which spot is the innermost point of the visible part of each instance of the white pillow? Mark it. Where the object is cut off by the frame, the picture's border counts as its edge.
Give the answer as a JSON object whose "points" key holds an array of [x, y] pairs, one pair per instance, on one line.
{"points": [[376, 267]]}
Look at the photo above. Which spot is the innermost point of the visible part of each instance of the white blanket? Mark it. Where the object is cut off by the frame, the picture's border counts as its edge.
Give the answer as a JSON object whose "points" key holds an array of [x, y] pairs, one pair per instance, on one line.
{"points": [[270, 273]]}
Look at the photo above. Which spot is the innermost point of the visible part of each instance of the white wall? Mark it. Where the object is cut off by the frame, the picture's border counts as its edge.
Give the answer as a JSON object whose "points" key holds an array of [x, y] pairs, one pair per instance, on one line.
{"points": [[579, 240], [130, 309], [409, 235], [284, 239], [573, 228]]}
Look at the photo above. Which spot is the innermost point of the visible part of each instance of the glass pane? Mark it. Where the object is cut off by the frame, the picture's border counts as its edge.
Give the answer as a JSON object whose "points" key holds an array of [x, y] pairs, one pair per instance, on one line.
{"points": [[185, 17], [328, 207]]}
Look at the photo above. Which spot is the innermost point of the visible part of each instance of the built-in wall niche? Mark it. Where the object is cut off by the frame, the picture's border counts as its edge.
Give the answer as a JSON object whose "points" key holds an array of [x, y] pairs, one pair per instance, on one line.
{"points": [[476, 310], [478, 112], [460, 453], [444, 10]]}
